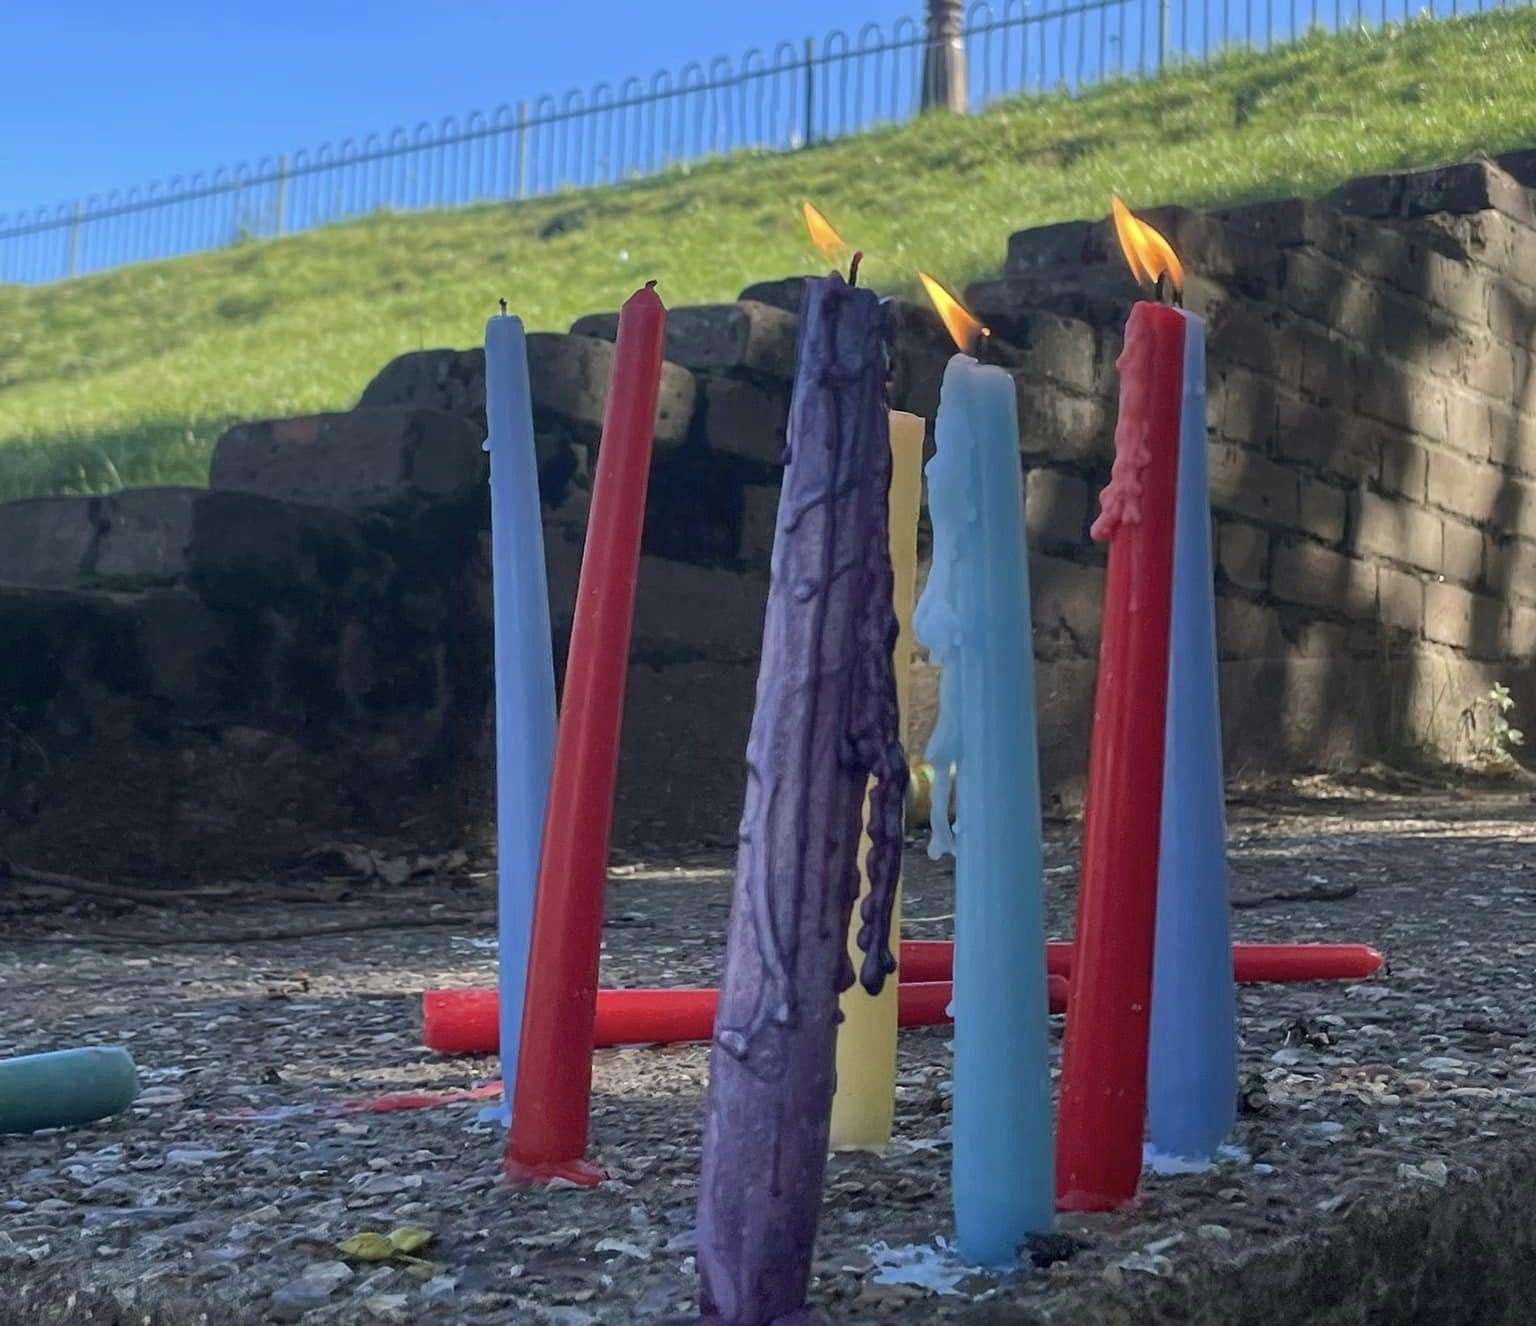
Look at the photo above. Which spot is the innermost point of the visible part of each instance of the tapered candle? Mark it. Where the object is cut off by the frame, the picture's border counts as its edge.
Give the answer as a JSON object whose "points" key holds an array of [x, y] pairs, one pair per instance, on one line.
{"points": [[1104, 1057], [825, 720], [974, 616], [525, 668], [552, 1097], [1192, 1064], [865, 1102]]}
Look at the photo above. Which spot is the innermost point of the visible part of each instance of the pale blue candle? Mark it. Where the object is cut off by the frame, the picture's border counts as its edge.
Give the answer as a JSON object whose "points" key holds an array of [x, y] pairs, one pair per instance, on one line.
{"points": [[974, 617], [1192, 1053], [525, 668]]}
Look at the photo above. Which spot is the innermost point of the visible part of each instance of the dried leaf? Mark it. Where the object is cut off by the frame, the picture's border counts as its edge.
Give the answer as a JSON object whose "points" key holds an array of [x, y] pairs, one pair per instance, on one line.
{"points": [[368, 1247], [410, 1238]]}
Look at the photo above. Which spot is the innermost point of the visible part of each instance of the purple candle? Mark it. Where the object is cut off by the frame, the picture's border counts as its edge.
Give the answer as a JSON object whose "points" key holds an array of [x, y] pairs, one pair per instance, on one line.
{"points": [[825, 720]]}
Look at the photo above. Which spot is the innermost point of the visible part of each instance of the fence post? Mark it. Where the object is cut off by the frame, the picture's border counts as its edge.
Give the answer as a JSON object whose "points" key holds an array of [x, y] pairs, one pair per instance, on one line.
{"points": [[810, 91], [280, 203], [1162, 34], [944, 59], [74, 240], [520, 170]]}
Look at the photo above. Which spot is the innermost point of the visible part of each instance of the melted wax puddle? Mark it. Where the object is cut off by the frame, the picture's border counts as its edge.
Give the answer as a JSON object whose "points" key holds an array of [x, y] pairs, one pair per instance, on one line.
{"points": [[935, 1267], [1160, 1162]]}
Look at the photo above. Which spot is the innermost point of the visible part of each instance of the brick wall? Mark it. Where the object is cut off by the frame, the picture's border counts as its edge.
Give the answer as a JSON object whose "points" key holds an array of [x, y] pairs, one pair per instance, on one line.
{"points": [[1372, 448]]}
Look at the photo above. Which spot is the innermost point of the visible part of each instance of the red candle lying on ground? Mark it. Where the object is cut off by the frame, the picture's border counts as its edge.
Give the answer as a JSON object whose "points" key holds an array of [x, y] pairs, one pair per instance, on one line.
{"points": [[464, 1021]]}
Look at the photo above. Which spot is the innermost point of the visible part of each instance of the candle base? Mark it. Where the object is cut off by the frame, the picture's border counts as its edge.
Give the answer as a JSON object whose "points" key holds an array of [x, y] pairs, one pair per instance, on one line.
{"points": [[1078, 1200], [580, 1172]]}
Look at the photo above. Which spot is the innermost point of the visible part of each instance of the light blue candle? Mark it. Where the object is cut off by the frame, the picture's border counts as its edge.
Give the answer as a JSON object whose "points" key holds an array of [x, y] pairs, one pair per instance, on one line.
{"points": [[1192, 1053], [974, 617], [525, 667]]}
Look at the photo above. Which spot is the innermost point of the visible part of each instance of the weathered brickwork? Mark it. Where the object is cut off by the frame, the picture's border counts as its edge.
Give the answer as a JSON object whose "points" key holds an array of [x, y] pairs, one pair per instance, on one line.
{"points": [[305, 646]]}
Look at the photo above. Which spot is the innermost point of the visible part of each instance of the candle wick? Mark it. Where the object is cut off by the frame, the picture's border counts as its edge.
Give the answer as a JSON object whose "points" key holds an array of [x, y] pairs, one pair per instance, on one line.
{"points": [[853, 267], [503, 304], [650, 285]]}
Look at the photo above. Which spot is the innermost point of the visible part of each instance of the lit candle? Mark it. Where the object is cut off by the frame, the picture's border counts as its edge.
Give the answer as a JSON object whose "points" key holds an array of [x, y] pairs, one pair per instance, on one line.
{"points": [[1192, 1065], [865, 1102], [552, 1096], [525, 668], [1104, 1058], [824, 721], [974, 616]]}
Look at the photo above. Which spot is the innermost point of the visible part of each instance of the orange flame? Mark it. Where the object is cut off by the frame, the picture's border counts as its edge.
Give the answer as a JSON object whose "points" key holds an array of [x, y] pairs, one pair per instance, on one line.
{"points": [[823, 236], [1148, 254], [964, 326]]}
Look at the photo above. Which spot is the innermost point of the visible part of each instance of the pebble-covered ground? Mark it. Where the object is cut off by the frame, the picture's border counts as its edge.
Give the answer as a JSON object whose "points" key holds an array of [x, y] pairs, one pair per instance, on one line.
{"points": [[1411, 1081]]}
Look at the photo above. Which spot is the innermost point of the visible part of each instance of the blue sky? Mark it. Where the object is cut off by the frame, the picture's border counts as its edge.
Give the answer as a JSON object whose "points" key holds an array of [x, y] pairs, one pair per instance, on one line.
{"points": [[108, 94]]}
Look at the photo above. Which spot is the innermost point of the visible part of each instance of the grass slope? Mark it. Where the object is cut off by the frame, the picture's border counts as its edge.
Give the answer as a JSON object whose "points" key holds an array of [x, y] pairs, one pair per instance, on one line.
{"points": [[126, 378]]}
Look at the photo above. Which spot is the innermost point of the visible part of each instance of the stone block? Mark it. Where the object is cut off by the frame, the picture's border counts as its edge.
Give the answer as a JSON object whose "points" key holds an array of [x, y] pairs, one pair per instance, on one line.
{"points": [[448, 380], [569, 376], [685, 613], [1331, 441], [788, 293], [1511, 311], [1463, 187], [1067, 603], [1467, 424], [1397, 530], [1285, 223], [1404, 465], [1472, 489], [1509, 566], [1465, 620], [1488, 366], [1401, 597], [1462, 551], [920, 351], [1245, 629], [1055, 506], [364, 458], [1238, 335], [1241, 406], [759, 516], [1061, 426], [146, 537], [745, 337], [1067, 242], [1245, 483], [1520, 643], [1322, 509], [49, 541], [1404, 399], [1327, 369], [1242, 555], [1317, 577], [745, 419]]}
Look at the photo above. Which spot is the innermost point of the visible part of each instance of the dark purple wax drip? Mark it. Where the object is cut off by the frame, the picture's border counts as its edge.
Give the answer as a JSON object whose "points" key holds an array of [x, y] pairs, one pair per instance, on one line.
{"points": [[825, 720]]}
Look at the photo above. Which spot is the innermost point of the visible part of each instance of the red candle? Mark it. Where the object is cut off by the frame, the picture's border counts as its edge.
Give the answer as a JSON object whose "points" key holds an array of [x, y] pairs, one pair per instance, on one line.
{"points": [[554, 1071], [464, 1021], [1104, 1058]]}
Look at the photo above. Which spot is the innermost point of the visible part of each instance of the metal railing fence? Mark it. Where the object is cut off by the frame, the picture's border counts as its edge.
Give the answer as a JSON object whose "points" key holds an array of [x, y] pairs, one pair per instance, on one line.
{"points": [[791, 97]]}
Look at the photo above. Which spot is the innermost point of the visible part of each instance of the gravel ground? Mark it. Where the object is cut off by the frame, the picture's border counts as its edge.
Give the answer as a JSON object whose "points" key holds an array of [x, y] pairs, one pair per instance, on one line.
{"points": [[1393, 1089]]}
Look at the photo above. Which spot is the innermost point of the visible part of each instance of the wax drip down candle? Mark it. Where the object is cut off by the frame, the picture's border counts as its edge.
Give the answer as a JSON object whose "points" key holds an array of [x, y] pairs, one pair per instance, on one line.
{"points": [[525, 668], [1104, 1057], [1192, 1056], [825, 719], [552, 1096], [974, 616]]}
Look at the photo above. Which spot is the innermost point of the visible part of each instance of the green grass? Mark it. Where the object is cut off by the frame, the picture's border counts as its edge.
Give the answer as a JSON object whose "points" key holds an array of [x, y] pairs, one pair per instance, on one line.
{"points": [[126, 378]]}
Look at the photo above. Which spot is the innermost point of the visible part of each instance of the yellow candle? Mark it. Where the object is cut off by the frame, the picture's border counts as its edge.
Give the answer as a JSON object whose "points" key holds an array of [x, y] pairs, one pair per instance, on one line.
{"points": [[866, 1041]]}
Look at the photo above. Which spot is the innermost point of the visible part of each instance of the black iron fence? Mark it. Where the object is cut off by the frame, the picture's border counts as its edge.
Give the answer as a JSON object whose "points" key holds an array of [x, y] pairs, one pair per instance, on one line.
{"points": [[774, 101]]}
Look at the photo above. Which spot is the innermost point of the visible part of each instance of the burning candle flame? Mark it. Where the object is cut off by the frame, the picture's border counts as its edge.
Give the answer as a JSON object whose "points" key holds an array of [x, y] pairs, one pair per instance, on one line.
{"points": [[1149, 255], [963, 325], [823, 236]]}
